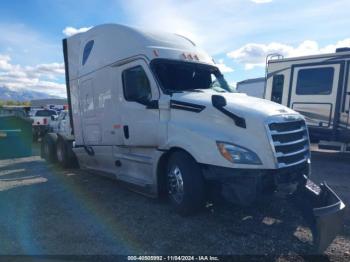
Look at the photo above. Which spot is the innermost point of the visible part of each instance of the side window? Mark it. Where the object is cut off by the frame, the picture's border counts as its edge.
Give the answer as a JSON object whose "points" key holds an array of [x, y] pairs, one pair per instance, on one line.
{"points": [[87, 51], [136, 85], [315, 81], [277, 88]]}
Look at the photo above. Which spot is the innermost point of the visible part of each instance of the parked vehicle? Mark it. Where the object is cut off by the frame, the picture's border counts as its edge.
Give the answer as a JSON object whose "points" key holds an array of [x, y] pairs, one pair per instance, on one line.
{"points": [[252, 87], [153, 110], [57, 108], [41, 122], [317, 87], [57, 144], [61, 124]]}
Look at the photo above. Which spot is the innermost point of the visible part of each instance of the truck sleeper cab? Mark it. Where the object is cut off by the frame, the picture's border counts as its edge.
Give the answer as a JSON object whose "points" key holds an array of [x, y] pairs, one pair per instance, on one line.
{"points": [[153, 110]]}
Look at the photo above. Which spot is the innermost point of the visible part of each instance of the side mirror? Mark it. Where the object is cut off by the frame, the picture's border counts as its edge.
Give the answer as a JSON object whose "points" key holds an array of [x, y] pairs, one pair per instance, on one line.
{"points": [[54, 118], [218, 101]]}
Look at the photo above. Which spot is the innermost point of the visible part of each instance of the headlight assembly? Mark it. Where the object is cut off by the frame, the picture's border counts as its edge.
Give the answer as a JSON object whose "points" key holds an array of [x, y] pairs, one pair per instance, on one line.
{"points": [[237, 154]]}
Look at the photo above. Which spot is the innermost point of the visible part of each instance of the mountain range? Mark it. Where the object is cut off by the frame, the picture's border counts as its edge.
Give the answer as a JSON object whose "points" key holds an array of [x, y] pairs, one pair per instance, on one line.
{"points": [[22, 95]]}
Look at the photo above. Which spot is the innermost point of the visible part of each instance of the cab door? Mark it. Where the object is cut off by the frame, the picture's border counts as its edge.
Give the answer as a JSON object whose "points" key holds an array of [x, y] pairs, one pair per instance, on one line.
{"points": [[314, 92], [142, 131], [139, 106]]}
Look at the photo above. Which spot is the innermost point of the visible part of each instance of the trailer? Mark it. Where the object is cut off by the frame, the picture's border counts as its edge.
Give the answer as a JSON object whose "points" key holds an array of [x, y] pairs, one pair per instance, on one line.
{"points": [[317, 87], [153, 110], [252, 87]]}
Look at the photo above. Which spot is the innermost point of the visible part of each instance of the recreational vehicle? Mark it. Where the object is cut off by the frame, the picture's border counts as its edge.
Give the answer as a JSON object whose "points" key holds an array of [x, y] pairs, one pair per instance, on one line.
{"points": [[153, 110], [317, 87]]}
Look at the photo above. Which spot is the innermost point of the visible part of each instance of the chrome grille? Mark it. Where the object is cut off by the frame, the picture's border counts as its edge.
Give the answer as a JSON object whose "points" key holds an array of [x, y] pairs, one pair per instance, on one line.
{"points": [[290, 141]]}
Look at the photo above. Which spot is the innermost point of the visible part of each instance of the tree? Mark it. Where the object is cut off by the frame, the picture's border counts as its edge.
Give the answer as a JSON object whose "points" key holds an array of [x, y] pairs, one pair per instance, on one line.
{"points": [[14, 103]]}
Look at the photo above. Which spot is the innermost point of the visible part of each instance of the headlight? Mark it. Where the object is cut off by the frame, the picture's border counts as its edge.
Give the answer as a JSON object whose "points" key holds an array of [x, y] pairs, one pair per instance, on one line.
{"points": [[237, 154]]}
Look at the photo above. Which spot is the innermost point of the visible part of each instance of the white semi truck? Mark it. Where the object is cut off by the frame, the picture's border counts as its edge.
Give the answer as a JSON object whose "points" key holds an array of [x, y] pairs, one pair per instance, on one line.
{"points": [[153, 110]]}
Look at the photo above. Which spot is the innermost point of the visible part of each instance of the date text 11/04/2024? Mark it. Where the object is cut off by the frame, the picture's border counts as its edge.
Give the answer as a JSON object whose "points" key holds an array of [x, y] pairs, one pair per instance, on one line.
{"points": [[173, 258]]}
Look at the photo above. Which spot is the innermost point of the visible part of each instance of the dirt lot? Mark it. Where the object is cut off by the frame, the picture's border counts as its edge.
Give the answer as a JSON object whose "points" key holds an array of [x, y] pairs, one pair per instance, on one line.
{"points": [[46, 210]]}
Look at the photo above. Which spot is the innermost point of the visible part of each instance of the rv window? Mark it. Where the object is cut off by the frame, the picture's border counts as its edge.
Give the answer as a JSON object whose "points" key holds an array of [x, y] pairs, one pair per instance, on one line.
{"points": [[277, 88], [136, 85], [315, 81]]}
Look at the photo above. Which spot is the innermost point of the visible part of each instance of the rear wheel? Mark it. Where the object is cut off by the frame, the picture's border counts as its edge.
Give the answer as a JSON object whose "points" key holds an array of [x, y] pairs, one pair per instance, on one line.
{"points": [[185, 183], [64, 153], [48, 147]]}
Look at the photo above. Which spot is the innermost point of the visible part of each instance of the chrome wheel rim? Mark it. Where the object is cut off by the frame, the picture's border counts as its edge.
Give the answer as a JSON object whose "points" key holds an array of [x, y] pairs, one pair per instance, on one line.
{"points": [[175, 184]]}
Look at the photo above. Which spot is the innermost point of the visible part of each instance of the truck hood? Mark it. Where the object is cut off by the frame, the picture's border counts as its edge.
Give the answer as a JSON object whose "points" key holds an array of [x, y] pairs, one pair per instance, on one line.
{"points": [[237, 103]]}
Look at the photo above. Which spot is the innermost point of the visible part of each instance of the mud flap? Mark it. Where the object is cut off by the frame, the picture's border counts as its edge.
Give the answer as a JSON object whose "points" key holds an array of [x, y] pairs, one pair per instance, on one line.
{"points": [[323, 210]]}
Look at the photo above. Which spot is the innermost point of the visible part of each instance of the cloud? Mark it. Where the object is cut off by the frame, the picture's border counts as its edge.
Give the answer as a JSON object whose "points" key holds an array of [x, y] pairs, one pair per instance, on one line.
{"points": [[50, 71], [207, 24], [4, 62], [261, 1], [69, 31], [221, 26], [42, 77], [253, 54], [223, 67]]}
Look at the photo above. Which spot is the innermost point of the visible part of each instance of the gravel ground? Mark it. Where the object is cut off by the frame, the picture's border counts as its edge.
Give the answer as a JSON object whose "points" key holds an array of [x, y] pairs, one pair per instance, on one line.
{"points": [[46, 210]]}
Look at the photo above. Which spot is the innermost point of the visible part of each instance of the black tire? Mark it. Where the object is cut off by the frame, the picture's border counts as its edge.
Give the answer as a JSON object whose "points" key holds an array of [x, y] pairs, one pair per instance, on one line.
{"points": [[64, 153], [48, 147], [193, 196]]}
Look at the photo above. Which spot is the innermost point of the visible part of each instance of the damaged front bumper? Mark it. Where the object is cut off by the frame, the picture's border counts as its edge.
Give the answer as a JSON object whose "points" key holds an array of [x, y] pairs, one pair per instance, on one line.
{"points": [[320, 206], [322, 209]]}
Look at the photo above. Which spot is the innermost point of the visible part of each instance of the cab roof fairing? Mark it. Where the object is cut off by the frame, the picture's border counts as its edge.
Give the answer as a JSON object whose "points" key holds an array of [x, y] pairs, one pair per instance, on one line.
{"points": [[113, 43]]}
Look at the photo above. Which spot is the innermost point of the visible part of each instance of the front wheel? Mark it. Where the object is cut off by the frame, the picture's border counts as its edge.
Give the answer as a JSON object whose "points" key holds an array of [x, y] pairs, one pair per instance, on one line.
{"points": [[185, 183]]}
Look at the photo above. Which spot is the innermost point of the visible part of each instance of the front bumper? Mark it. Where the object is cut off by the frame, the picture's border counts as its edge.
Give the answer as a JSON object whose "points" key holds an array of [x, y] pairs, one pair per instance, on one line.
{"points": [[244, 186], [322, 209], [320, 206]]}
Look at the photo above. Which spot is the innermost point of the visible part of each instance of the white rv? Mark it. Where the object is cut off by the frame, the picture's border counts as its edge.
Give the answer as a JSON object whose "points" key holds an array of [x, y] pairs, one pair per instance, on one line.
{"points": [[318, 87], [252, 87], [153, 110]]}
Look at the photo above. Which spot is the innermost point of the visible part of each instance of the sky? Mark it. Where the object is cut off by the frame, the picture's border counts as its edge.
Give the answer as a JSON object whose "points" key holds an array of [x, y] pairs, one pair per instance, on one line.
{"points": [[238, 34]]}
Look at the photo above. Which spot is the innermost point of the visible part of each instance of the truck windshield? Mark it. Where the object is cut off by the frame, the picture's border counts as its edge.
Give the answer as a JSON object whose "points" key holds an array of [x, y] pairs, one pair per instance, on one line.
{"points": [[178, 76]]}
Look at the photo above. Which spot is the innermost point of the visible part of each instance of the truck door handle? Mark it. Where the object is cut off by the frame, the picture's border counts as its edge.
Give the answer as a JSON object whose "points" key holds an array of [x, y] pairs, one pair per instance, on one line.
{"points": [[126, 132]]}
